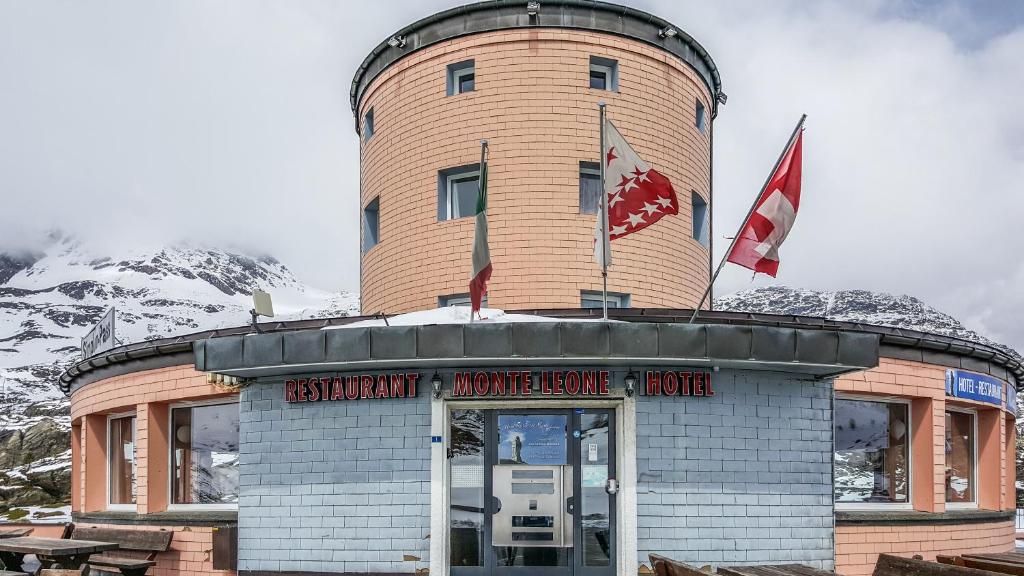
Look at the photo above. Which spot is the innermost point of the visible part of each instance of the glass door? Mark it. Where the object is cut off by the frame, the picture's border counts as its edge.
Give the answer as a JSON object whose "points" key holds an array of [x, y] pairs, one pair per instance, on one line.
{"points": [[529, 492]]}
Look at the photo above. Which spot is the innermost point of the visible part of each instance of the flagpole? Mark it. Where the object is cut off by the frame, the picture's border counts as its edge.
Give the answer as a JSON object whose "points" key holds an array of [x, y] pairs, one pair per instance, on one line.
{"points": [[605, 238], [743, 223], [481, 190]]}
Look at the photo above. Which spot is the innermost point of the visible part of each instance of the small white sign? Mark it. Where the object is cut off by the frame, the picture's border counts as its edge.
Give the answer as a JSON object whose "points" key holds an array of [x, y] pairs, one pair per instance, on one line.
{"points": [[592, 453], [101, 337]]}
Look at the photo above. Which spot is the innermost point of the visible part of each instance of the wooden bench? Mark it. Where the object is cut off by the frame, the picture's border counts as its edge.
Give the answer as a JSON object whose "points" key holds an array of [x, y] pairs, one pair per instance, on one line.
{"points": [[663, 566], [889, 565], [1005, 563], [141, 546]]}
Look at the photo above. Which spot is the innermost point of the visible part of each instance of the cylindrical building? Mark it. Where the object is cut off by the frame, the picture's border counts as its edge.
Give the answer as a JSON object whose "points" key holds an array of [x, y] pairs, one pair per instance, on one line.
{"points": [[530, 85], [542, 444]]}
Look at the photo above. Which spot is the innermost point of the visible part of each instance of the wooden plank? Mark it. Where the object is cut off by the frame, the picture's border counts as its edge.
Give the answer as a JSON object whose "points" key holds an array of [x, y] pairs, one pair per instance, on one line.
{"points": [[15, 532], [53, 546], [994, 566], [1011, 557], [147, 540], [773, 570], [889, 565]]}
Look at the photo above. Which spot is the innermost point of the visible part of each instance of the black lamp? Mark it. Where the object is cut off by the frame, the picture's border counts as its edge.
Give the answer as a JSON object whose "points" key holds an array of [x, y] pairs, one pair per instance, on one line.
{"points": [[435, 384], [630, 383]]}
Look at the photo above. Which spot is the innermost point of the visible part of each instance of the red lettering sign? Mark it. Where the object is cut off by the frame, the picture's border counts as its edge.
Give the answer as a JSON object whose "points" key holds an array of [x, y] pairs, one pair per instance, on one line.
{"points": [[338, 388], [680, 383]]}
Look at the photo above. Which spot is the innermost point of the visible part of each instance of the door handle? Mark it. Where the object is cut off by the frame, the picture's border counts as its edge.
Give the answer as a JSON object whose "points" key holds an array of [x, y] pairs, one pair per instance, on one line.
{"points": [[570, 505], [612, 486]]}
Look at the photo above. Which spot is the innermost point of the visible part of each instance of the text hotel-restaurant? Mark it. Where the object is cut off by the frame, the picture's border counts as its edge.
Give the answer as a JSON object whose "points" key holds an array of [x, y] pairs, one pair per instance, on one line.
{"points": [[565, 446]]}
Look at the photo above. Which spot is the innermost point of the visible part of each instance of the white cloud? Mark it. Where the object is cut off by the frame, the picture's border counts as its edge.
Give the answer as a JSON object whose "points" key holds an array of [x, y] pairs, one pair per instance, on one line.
{"points": [[230, 121]]}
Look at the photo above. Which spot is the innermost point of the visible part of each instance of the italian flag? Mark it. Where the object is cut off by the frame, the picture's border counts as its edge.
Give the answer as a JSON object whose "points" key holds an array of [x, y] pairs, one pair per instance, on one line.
{"points": [[481, 253]]}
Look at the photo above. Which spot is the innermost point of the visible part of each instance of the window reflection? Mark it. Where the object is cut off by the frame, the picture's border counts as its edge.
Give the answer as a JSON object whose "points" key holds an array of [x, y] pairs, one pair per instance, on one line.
{"points": [[959, 457], [205, 458], [594, 514], [466, 470], [871, 451]]}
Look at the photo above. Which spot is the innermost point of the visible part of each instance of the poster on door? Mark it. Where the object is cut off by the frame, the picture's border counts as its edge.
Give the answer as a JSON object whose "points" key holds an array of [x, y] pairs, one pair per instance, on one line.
{"points": [[538, 439]]}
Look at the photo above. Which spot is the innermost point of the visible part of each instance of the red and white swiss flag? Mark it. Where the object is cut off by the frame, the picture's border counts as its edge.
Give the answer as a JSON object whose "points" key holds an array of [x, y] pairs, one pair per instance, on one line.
{"points": [[757, 246], [638, 196]]}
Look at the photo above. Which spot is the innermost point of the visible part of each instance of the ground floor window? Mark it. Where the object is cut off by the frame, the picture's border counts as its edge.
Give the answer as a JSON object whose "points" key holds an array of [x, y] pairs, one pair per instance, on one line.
{"points": [[121, 459], [872, 451], [204, 458], [960, 457]]}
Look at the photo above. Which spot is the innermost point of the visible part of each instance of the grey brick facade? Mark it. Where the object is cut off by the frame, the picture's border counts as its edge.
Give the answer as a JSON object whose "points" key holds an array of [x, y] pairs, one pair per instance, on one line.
{"points": [[741, 477], [333, 486]]}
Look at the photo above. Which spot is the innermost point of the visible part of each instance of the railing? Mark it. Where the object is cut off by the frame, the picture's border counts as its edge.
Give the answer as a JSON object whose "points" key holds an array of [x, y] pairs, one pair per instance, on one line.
{"points": [[1020, 519]]}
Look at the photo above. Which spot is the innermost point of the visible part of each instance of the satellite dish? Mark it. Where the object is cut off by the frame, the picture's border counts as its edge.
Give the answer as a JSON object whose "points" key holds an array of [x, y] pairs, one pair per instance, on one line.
{"points": [[261, 304]]}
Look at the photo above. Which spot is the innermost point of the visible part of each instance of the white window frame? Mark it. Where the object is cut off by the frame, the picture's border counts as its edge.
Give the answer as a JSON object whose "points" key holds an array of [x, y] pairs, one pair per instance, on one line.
{"points": [[621, 299], [590, 172], [171, 506], [974, 454], [607, 66], [451, 207], [449, 300], [457, 79], [909, 504], [135, 430], [369, 127], [700, 120]]}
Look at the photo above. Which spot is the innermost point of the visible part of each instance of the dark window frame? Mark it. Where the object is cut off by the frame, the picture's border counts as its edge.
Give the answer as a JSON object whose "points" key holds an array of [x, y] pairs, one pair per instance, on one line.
{"points": [[371, 228]]}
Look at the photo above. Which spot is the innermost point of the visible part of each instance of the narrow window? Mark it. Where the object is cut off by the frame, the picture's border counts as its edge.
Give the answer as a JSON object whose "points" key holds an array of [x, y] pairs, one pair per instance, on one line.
{"points": [[368, 125], [592, 299], [204, 456], [122, 468], [466, 488], [700, 117], [461, 77], [604, 74], [701, 223], [872, 452], [960, 458], [590, 187], [371, 225], [458, 189], [457, 300]]}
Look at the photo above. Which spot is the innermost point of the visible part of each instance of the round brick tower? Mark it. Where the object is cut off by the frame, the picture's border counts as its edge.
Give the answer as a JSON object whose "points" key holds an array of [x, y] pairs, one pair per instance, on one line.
{"points": [[528, 77]]}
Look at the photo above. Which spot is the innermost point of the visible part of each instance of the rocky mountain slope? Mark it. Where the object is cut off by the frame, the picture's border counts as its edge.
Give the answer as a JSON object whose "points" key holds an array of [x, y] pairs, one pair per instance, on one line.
{"points": [[50, 298], [861, 306]]}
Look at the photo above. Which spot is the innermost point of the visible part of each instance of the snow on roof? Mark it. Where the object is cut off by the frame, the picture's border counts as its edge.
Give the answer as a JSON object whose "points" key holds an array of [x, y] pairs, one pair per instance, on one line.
{"points": [[456, 315]]}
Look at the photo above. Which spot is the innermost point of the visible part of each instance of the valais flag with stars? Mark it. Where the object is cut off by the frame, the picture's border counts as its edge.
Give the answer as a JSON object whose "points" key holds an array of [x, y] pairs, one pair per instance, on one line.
{"points": [[637, 195], [757, 246]]}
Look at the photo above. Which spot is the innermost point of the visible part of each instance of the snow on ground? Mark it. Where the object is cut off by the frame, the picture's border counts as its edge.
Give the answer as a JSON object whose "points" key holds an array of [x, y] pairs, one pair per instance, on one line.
{"points": [[456, 315], [37, 515]]}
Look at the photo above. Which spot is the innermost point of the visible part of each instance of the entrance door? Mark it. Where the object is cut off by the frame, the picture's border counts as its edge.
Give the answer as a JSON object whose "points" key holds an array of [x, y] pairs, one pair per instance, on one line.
{"points": [[530, 492]]}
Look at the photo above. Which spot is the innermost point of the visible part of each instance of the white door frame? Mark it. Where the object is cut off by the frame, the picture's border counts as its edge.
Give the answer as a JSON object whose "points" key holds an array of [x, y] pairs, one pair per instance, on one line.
{"points": [[625, 464]]}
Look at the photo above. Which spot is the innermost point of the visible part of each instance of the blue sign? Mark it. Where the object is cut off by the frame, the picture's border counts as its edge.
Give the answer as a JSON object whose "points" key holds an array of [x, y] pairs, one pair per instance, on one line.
{"points": [[973, 386], [1011, 400]]}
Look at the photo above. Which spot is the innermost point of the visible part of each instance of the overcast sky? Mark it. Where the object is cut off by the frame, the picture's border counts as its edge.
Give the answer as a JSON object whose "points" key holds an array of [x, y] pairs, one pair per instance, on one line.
{"points": [[228, 123]]}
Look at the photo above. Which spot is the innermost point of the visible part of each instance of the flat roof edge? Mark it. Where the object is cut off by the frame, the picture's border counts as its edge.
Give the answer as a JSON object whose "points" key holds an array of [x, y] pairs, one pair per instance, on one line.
{"points": [[495, 15]]}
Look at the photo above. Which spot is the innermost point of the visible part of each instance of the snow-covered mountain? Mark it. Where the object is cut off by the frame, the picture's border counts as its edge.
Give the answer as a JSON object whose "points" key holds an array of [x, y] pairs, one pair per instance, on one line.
{"points": [[861, 306], [50, 298]]}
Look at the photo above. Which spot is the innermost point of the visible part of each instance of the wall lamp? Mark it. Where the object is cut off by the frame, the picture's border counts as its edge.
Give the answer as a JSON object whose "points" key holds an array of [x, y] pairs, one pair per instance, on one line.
{"points": [[722, 97], [630, 383], [396, 41], [667, 32], [532, 8], [435, 384]]}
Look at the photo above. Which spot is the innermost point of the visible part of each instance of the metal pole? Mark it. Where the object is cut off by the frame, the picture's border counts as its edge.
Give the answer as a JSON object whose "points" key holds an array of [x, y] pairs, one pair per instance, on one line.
{"points": [[605, 237], [743, 222]]}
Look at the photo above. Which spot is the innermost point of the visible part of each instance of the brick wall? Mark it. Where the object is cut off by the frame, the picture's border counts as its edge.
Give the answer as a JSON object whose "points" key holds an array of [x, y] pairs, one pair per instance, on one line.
{"points": [[741, 477], [858, 547], [534, 105], [333, 487]]}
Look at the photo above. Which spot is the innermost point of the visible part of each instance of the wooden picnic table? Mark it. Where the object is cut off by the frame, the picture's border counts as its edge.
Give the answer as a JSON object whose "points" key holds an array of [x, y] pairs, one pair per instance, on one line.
{"points": [[51, 552], [15, 532], [1011, 557], [773, 570]]}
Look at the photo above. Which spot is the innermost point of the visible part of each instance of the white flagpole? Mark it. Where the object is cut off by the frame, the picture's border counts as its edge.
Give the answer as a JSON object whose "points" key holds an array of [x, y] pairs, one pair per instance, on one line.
{"points": [[605, 237], [743, 222]]}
